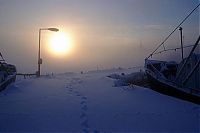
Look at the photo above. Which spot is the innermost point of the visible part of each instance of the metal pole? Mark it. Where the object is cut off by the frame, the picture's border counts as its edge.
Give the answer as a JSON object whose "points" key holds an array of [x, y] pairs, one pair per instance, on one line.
{"points": [[39, 58], [39, 54], [181, 33]]}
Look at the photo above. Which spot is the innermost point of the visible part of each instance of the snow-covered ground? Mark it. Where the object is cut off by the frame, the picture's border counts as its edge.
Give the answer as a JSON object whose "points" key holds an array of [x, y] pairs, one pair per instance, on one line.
{"points": [[89, 102]]}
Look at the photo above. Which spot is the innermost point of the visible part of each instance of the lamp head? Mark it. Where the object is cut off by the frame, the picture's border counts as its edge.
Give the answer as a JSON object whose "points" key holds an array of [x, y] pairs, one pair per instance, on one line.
{"points": [[53, 29]]}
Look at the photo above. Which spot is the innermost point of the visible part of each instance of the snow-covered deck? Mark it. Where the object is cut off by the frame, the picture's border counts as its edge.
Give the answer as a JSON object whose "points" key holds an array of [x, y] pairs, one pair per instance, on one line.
{"points": [[90, 102]]}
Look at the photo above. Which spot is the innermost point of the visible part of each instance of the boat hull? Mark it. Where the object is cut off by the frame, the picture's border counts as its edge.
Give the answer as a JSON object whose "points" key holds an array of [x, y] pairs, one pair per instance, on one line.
{"points": [[162, 87], [8, 81]]}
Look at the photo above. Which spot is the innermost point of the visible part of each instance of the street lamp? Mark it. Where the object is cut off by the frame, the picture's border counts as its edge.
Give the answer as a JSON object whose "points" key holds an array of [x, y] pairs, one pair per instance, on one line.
{"points": [[39, 58]]}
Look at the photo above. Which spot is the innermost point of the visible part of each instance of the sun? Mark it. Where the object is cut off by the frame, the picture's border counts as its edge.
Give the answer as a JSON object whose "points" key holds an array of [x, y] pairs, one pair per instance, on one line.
{"points": [[60, 43]]}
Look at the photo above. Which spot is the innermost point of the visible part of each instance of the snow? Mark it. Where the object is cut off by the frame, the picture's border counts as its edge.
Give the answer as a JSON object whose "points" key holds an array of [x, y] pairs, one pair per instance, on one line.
{"points": [[137, 78], [90, 102]]}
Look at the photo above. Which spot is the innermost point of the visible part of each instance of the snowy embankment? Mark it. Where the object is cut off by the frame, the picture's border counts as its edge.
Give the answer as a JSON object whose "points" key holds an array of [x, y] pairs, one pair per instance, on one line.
{"points": [[90, 102], [135, 78]]}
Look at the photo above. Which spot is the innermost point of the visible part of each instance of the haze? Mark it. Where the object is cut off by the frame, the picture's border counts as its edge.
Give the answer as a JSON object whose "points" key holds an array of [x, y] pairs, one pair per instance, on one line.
{"points": [[106, 33]]}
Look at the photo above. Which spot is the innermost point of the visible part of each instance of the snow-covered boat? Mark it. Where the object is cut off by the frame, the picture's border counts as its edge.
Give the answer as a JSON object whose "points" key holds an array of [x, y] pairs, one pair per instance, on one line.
{"points": [[178, 80], [182, 79], [7, 74]]}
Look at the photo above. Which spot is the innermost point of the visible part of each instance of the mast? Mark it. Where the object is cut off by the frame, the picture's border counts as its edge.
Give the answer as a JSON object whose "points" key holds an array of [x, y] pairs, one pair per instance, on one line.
{"points": [[181, 33]]}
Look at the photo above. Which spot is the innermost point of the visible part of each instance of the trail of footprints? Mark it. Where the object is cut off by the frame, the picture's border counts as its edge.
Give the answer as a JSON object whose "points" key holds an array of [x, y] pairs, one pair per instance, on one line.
{"points": [[83, 104]]}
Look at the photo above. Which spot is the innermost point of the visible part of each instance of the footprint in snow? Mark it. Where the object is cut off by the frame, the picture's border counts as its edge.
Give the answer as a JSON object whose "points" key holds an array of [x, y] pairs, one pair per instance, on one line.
{"points": [[76, 92], [78, 95], [85, 108], [82, 115], [83, 97], [85, 123], [83, 102]]}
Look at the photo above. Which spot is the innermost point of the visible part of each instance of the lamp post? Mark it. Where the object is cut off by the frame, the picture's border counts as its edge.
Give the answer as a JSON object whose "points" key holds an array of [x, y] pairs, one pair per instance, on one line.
{"points": [[39, 58]]}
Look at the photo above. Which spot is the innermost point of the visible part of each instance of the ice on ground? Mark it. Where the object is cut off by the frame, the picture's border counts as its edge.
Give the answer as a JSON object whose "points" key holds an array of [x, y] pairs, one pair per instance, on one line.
{"points": [[89, 102], [134, 78]]}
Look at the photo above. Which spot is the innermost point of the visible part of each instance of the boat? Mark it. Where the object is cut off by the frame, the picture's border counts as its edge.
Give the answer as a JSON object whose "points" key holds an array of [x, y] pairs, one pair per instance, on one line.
{"points": [[8, 74], [180, 80], [163, 77]]}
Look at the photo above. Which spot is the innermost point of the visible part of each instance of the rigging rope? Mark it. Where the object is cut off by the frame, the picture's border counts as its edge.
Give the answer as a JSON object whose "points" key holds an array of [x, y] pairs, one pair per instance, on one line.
{"points": [[173, 31], [165, 50]]}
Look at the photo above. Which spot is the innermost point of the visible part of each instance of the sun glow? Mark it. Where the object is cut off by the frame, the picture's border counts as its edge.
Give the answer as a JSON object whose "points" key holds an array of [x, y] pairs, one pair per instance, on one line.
{"points": [[60, 43]]}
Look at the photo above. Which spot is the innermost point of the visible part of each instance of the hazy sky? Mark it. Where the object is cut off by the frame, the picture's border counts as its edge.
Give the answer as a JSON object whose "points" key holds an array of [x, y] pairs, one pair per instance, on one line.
{"points": [[106, 33]]}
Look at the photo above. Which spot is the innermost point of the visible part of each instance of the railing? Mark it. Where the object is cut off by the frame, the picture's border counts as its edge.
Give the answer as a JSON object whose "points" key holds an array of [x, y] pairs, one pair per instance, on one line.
{"points": [[26, 74], [188, 58]]}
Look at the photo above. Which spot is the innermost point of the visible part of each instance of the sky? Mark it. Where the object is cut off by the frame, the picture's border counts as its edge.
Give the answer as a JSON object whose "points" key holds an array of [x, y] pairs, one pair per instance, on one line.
{"points": [[105, 33]]}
